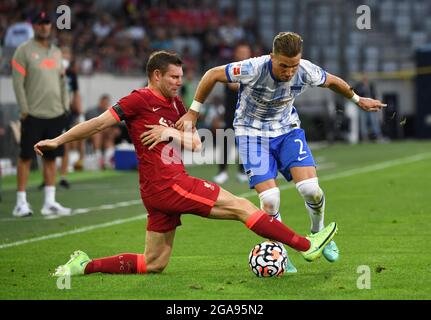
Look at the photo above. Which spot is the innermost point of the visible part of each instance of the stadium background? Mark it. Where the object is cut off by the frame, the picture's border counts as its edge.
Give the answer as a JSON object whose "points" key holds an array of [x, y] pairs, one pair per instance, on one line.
{"points": [[394, 53]]}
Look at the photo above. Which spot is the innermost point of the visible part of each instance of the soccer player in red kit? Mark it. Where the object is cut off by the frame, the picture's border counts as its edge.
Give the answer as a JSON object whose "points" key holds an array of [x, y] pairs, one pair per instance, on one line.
{"points": [[167, 190]]}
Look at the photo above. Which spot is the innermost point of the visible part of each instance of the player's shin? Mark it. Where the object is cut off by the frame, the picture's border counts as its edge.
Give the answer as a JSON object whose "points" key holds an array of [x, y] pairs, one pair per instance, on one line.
{"points": [[126, 263], [314, 202], [266, 226], [270, 202]]}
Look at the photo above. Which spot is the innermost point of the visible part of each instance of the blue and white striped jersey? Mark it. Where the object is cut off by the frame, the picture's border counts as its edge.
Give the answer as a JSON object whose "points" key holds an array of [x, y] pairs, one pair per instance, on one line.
{"points": [[265, 105]]}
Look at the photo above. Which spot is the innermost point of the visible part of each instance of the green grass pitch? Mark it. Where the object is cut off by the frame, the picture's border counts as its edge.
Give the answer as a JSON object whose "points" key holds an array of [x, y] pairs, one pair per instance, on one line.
{"points": [[379, 194]]}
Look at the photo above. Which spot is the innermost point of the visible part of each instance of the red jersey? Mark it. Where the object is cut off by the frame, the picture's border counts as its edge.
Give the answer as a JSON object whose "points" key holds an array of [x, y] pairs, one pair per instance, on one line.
{"points": [[144, 107]]}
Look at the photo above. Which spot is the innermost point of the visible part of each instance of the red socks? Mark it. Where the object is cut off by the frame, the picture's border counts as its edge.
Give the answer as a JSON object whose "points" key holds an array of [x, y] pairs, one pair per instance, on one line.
{"points": [[268, 227], [122, 263]]}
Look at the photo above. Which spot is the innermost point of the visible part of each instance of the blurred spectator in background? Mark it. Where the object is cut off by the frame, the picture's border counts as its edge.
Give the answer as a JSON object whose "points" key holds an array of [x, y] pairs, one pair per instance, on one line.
{"points": [[40, 88], [103, 142], [76, 115], [17, 33], [369, 122], [242, 52], [214, 115], [119, 36]]}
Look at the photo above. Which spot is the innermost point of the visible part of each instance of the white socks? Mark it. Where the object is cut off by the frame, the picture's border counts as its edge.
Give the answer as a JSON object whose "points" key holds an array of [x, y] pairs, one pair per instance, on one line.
{"points": [[314, 202], [49, 195], [270, 202], [21, 197]]}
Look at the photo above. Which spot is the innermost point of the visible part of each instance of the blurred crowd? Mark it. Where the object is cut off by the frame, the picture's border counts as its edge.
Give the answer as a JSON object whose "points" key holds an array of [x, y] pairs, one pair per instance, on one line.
{"points": [[118, 36]]}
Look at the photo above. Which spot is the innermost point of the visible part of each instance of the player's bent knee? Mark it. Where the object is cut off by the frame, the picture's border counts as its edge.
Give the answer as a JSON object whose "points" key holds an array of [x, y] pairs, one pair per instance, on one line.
{"points": [[310, 190], [155, 264], [270, 200]]}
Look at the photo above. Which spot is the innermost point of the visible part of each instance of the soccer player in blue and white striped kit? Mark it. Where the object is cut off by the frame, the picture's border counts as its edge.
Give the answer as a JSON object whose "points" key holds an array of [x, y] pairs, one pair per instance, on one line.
{"points": [[267, 125]]}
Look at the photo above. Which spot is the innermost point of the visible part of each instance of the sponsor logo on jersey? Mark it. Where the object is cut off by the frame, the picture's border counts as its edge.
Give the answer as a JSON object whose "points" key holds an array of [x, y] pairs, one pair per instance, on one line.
{"points": [[163, 122], [166, 123], [208, 185], [295, 89]]}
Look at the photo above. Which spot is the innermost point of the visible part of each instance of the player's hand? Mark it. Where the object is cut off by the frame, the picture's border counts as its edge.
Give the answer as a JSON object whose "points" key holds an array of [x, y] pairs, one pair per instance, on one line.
{"points": [[45, 145], [187, 121], [154, 136], [369, 104]]}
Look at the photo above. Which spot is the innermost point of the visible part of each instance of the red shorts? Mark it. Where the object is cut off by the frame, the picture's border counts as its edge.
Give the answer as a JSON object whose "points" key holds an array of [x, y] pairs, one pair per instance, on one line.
{"points": [[187, 195]]}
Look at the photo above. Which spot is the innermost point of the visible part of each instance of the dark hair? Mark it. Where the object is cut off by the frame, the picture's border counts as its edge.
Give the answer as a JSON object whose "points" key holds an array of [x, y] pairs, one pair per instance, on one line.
{"points": [[288, 44], [161, 60]]}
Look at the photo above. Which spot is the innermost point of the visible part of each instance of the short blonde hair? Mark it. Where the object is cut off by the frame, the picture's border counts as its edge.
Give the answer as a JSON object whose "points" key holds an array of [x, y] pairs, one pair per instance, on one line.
{"points": [[288, 44]]}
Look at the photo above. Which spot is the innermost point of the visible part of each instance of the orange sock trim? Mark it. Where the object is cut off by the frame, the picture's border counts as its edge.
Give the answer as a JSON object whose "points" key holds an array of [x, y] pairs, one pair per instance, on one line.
{"points": [[255, 217], [142, 266]]}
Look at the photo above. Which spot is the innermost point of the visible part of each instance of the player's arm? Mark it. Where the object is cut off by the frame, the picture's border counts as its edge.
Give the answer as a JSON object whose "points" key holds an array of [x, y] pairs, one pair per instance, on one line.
{"points": [[340, 86], [78, 132], [233, 86], [19, 73], [189, 139], [205, 86]]}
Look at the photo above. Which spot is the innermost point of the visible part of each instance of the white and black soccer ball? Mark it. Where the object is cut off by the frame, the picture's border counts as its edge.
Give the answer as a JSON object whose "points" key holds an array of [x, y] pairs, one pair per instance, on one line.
{"points": [[268, 259]]}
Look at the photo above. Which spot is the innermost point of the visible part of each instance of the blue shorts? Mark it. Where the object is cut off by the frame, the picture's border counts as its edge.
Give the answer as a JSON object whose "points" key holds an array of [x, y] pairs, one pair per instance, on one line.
{"points": [[262, 157]]}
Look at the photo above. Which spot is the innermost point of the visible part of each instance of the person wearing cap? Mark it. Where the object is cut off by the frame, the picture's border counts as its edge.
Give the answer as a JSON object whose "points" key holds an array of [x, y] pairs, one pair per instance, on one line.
{"points": [[39, 83]]}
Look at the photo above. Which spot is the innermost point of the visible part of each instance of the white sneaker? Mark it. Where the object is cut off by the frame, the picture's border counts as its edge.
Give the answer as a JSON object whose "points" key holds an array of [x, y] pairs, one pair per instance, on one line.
{"points": [[241, 177], [55, 209], [221, 178], [22, 210]]}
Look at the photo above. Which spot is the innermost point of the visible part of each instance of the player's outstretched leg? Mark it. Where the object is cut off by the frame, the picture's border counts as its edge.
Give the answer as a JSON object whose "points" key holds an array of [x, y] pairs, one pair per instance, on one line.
{"points": [[231, 207], [315, 204]]}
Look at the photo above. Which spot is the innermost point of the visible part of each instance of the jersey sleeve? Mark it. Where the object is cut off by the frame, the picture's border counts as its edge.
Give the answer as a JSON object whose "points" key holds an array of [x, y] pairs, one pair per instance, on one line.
{"points": [[127, 107], [19, 73], [241, 72], [314, 75]]}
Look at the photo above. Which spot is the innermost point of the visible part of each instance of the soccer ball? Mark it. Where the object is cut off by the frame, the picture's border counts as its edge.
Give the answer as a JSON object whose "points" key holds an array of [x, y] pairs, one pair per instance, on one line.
{"points": [[268, 259]]}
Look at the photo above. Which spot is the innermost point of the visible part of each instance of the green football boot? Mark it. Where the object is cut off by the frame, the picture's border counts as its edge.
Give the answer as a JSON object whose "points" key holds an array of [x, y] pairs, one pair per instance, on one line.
{"points": [[75, 266], [318, 241], [331, 252]]}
